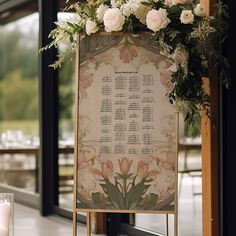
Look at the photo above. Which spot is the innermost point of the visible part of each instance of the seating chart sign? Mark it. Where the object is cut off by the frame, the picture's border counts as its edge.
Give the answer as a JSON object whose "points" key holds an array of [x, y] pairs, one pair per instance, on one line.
{"points": [[126, 128]]}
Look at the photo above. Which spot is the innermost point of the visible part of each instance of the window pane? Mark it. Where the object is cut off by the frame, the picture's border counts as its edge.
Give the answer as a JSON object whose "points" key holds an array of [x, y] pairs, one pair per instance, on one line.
{"points": [[189, 191], [66, 126], [19, 109]]}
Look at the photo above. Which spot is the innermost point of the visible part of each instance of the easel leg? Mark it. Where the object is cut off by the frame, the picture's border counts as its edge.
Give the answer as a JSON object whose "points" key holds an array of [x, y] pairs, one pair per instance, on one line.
{"points": [[176, 224], [167, 225], [74, 223], [88, 223]]}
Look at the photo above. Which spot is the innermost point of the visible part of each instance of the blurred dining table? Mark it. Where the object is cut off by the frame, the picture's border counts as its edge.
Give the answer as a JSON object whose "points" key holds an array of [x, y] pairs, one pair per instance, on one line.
{"points": [[188, 145], [29, 150]]}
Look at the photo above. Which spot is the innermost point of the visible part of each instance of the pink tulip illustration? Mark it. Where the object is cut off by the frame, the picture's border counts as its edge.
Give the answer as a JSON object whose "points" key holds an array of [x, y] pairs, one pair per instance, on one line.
{"points": [[143, 173], [142, 169], [125, 165], [107, 169], [152, 174]]}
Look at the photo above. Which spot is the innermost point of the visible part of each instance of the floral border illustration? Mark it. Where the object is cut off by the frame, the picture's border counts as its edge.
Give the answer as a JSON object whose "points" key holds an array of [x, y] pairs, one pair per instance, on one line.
{"points": [[126, 182]]}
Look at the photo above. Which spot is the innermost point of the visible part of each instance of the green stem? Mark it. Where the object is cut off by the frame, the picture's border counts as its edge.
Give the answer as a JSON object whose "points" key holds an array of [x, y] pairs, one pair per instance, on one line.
{"points": [[125, 190], [125, 187]]}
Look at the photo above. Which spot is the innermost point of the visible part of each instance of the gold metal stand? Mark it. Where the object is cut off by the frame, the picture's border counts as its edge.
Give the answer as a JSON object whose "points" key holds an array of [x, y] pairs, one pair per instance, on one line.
{"points": [[167, 225], [88, 224]]}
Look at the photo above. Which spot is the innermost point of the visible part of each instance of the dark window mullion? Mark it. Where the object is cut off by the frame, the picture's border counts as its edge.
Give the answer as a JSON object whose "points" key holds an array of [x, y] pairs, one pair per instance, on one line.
{"points": [[48, 84]]}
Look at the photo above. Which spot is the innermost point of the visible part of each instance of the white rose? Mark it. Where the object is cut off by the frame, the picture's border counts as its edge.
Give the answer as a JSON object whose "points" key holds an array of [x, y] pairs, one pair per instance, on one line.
{"points": [[186, 17], [100, 11], [113, 20], [126, 9], [134, 5], [75, 18], [130, 7], [157, 19], [91, 27], [199, 10]]}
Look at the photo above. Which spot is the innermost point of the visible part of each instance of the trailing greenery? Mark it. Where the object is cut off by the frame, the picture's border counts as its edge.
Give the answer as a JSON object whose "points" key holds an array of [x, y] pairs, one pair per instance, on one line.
{"points": [[180, 27]]}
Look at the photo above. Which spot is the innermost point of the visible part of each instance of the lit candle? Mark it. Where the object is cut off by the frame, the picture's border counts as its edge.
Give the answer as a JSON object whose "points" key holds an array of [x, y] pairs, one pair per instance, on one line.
{"points": [[5, 211], [4, 231]]}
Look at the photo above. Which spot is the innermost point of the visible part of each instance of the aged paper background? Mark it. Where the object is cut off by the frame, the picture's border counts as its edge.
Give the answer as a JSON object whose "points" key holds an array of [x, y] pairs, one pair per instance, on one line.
{"points": [[127, 139]]}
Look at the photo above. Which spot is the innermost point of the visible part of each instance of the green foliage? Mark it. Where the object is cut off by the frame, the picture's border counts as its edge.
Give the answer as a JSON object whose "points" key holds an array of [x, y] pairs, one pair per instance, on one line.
{"points": [[135, 194], [66, 88], [114, 194], [193, 131], [194, 46], [150, 200]]}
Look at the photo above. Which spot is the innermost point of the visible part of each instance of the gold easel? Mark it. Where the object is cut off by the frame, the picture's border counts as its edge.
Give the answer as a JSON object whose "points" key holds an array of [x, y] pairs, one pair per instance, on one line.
{"points": [[88, 224], [89, 211]]}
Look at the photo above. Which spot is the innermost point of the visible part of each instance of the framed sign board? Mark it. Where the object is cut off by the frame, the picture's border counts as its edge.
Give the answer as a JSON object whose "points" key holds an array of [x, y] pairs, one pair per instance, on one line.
{"points": [[126, 129]]}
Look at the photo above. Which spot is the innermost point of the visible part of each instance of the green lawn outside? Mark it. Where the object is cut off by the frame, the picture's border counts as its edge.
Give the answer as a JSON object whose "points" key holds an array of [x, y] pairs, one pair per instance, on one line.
{"points": [[31, 127], [28, 127]]}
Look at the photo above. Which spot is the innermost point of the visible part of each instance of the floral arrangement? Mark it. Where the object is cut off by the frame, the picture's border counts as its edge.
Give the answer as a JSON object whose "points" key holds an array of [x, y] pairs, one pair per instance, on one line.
{"points": [[181, 30]]}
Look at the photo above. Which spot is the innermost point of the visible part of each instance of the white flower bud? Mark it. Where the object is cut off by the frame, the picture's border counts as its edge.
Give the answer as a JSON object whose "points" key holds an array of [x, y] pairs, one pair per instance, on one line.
{"points": [[101, 11], [91, 27], [186, 17], [200, 10]]}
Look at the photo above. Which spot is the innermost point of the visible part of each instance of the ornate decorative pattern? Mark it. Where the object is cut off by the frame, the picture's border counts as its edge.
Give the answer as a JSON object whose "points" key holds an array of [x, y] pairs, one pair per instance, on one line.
{"points": [[124, 181]]}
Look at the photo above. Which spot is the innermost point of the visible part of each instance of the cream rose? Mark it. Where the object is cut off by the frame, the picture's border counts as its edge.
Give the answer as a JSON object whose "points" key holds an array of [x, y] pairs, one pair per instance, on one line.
{"points": [[141, 13], [126, 9], [174, 2], [168, 3], [91, 27], [130, 7], [113, 19], [75, 18], [101, 11], [186, 17], [116, 3], [199, 10], [157, 19]]}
